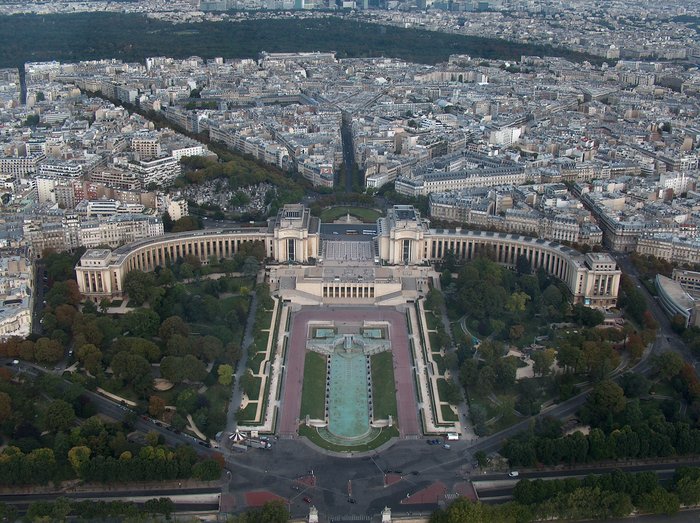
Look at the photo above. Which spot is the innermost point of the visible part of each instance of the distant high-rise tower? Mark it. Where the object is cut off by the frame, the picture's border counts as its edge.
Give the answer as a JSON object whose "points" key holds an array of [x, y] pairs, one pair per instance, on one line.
{"points": [[299, 4], [365, 4]]}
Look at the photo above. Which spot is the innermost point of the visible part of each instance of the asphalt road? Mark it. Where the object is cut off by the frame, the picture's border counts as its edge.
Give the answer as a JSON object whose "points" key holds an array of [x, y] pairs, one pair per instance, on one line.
{"points": [[279, 469], [348, 152], [241, 366], [666, 338], [419, 464], [113, 494], [114, 410], [38, 298]]}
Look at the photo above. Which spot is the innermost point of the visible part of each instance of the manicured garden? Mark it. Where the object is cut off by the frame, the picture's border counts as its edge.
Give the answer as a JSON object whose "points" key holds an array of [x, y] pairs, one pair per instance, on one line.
{"points": [[384, 436], [383, 386], [361, 213], [313, 392]]}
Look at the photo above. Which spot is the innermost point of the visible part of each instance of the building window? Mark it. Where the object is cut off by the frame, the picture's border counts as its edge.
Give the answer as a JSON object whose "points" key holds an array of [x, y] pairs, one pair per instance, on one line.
{"points": [[290, 250]]}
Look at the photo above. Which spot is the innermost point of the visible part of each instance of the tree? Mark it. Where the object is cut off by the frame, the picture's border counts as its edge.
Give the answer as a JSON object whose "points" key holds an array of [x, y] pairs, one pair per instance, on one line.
{"points": [[516, 332], [606, 399], [133, 368], [64, 292], [481, 459], [207, 470], [167, 222], [163, 506], [26, 350], [178, 345], [59, 416], [274, 512], [138, 346], [668, 364], [506, 371], [517, 302], [453, 393], [91, 358], [210, 348], [434, 300], [7, 512], [688, 490], [187, 223], [137, 285], [171, 369], [486, 379], [678, 323], [78, 457], [635, 385], [635, 345], [233, 351], [173, 325], [156, 406], [543, 361], [649, 320], [570, 357], [523, 265], [225, 373], [47, 351], [587, 316], [659, 501], [141, 323], [250, 267], [65, 314], [5, 406]]}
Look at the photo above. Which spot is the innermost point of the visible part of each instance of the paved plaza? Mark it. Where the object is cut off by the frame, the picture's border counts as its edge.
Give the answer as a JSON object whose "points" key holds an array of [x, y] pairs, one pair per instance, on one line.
{"points": [[403, 372], [339, 250]]}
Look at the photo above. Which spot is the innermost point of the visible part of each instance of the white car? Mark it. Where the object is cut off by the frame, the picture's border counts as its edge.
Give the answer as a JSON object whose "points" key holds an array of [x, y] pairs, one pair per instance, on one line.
{"points": [[513, 473]]}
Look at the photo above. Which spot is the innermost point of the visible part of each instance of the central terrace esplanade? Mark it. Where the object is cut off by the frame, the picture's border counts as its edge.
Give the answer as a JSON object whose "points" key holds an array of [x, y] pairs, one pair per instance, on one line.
{"points": [[384, 263]]}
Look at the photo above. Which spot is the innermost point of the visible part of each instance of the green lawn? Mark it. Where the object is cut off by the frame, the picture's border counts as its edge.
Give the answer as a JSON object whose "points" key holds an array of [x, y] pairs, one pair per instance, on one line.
{"points": [[434, 343], [489, 408], [228, 302], [263, 319], [442, 388], [437, 358], [385, 435], [115, 387], [255, 361], [448, 414], [247, 414], [170, 396], [458, 334], [361, 213], [663, 388], [383, 386], [254, 391], [225, 334], [218, 397], [504, 422], [432, 320], [313, 392]]}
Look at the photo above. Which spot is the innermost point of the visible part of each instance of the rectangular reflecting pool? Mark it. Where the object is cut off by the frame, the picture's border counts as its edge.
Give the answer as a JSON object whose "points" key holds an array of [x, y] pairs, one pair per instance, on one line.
{"points": [[348, 402]]}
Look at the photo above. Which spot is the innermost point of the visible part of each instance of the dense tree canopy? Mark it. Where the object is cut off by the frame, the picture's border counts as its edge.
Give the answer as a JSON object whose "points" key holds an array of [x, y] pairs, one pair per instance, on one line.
{"points": [[134, 37]]}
